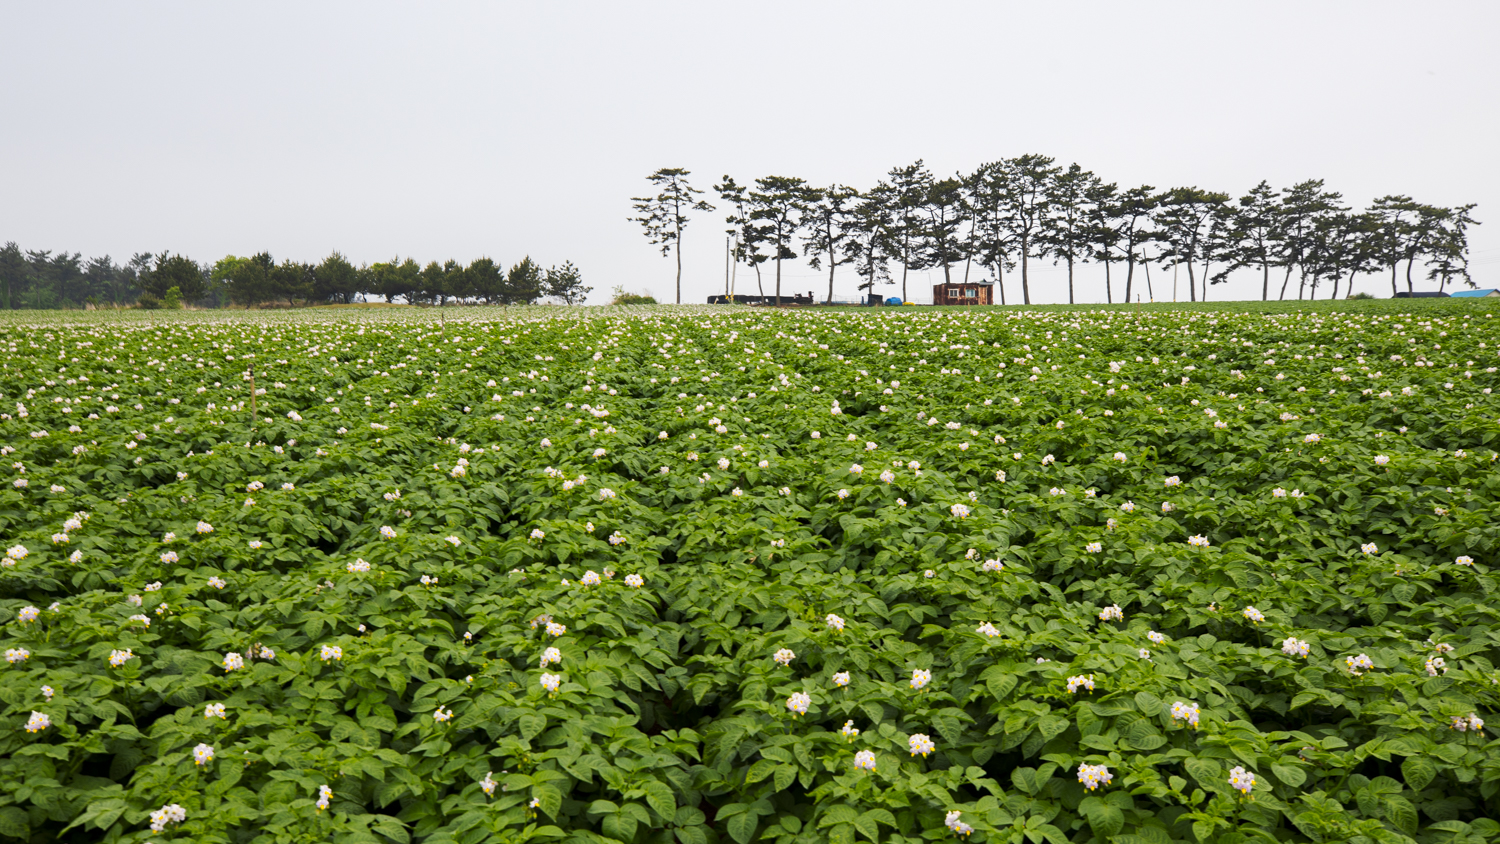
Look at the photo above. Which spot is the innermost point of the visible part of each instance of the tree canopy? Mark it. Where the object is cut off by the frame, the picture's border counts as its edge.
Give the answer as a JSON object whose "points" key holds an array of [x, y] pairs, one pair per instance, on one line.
{"points": [[45, 280], [1009, 212]]}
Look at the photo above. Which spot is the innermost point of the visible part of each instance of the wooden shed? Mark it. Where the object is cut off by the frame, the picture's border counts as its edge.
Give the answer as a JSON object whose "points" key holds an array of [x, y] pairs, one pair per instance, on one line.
{"points": [[970, 293]]}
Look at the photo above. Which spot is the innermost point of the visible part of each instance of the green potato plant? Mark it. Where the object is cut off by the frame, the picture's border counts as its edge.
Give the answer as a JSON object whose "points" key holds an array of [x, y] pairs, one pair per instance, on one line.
{"points": [[683, 574]]}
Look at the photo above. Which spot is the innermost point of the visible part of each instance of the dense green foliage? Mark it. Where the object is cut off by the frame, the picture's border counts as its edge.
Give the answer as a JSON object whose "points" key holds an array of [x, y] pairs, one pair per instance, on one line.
{"points": [[40, 279], [352, 535]]}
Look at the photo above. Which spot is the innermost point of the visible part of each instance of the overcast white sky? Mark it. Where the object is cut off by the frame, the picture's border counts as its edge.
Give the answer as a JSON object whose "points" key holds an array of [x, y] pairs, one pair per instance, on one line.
{"points": [[506, 129]]}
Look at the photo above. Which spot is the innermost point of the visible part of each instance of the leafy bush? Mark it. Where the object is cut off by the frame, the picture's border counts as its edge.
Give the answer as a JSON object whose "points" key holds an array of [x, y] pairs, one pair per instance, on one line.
{"points": [[621, 297], [298, 575]]}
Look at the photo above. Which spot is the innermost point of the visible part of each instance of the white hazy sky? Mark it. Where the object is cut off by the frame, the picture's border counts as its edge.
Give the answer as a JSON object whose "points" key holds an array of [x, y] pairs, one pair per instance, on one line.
{"points": [[506, 129]]}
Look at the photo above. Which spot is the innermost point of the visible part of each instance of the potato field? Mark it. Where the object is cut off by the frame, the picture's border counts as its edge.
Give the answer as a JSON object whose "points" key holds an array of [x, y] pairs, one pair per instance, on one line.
{"points": [[1220, 574]]}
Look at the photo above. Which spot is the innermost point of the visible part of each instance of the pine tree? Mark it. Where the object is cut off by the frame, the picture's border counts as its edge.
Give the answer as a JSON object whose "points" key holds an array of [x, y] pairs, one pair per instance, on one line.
{"points": [[665, 215]]}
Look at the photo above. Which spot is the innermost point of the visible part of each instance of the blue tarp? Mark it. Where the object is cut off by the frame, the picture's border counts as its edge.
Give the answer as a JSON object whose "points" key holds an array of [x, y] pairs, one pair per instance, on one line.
{"points": [[894, 300]]}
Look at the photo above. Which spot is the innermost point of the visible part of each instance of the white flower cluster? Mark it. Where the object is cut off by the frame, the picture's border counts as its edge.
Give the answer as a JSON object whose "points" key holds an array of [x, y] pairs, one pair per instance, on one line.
{"points": [[1094, 776], [1239, 778], [951, 820], [1465, 724], [170, 813], [1080, 682], [1187, 712]]}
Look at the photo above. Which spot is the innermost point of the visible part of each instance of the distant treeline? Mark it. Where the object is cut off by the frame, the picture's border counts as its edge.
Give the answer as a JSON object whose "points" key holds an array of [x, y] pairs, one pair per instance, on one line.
{"points": [[32, 279], [1010, 212]]}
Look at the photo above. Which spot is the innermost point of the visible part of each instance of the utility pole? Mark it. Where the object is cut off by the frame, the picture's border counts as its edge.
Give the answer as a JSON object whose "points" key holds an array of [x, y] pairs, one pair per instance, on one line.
{"points": [[1150, 294], [734, 273]]}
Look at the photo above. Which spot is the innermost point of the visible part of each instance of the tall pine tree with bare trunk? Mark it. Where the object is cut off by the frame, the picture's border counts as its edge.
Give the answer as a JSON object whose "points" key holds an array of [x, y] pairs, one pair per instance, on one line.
{"points": [[665, 215], [990, 236], [905, 195], [1068, 237], [947, 208], [1133, 231], [1257, 228], [830, 218], [778, 206], [1302, 208], [1027, 209], [1102, 203], [1184, 220]]}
